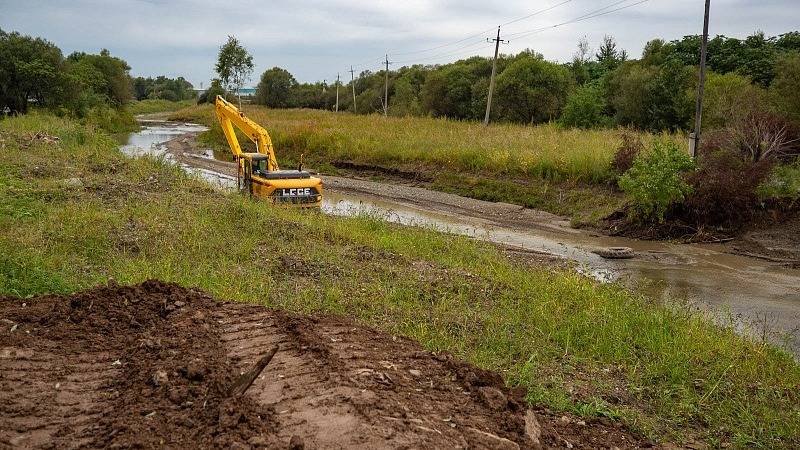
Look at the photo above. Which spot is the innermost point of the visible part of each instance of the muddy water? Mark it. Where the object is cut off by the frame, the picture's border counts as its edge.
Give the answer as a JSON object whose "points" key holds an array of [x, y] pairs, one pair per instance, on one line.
{"points": [[759, 298], [149, 141]]}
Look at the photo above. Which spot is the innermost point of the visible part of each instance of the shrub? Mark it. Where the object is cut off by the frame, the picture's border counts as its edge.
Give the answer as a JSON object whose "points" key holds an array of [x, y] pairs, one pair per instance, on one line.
{"points": [[627, 152], [782, 184], [758, 135], [210, 94], [724, 188], [655, 182]]}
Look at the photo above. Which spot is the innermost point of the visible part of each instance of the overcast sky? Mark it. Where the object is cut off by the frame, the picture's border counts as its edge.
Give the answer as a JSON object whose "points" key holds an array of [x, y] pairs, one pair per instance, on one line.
{"points": [[314, 39]]}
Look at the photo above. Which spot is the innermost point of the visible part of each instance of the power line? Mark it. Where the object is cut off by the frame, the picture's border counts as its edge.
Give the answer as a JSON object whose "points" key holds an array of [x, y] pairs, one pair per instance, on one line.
{"points": [[587, 16], [456, 51], [482, 32], [519, 19]]}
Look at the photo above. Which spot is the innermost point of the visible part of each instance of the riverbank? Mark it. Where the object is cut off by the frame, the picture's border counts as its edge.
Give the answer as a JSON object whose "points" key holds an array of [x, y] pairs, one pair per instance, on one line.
{"points": [[578, 346]]}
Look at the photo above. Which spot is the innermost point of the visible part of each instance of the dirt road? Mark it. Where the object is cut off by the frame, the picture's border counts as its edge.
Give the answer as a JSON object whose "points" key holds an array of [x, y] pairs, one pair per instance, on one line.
{"points": [[151, 366]]}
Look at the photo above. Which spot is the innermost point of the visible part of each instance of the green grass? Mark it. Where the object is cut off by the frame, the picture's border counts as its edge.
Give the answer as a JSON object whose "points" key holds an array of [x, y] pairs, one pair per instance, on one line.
{"points": [[154, 106], [576, 345], [547, 157]]}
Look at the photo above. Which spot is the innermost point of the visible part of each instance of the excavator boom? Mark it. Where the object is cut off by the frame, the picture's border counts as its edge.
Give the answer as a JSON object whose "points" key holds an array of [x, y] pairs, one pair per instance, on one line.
{"points": [[258, 172]]}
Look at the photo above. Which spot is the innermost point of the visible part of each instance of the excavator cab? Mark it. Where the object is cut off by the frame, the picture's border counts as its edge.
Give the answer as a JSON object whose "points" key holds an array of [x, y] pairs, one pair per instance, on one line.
{"points": [[259, 174]]}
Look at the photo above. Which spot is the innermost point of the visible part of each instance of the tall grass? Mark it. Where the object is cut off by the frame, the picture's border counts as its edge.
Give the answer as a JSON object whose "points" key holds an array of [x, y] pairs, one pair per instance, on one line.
{"points": [[544, 151], [149, 106], [594, 350]]}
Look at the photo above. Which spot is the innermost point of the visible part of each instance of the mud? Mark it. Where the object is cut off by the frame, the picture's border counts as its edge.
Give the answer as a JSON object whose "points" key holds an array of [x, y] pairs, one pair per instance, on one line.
{"points": [[151, 365]]}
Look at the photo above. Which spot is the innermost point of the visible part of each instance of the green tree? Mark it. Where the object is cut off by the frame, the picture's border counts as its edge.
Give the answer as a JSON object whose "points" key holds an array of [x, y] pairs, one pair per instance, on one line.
{"points": [[406, 100], [651, 97], [607, 54], [656, 52], [30, 69], [448, 92], [670, 97], [116, 85], [234, 66], [275, 88], [585, 108], [728, 98], [532, 90], [785, 89]]}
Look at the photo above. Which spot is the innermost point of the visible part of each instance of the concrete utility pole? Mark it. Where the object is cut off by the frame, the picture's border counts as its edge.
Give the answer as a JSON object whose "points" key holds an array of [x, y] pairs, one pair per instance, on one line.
{"points": [[353, 82], [337, 91], [698, 114], [497, 42], [386, 90], [324, 90]]}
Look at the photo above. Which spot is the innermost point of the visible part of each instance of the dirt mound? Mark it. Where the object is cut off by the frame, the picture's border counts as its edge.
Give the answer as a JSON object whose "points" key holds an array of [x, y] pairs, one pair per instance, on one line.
{"points": [[153, 364]]}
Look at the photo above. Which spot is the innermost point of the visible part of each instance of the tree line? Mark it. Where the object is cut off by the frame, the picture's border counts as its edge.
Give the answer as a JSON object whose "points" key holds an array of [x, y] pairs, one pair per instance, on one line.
{"points": [[34, 71], [597, 88]]}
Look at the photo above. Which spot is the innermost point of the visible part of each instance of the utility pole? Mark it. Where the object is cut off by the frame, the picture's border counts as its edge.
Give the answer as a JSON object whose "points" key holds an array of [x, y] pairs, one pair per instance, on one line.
{"points": [[497, 42], [698, 114], [353, 82], [324, 90], [337, 91], [386, 90]]}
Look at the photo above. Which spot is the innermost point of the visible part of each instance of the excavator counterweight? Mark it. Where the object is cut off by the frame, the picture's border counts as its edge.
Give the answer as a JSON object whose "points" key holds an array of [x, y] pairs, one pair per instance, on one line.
{"points": [[258, 172]]}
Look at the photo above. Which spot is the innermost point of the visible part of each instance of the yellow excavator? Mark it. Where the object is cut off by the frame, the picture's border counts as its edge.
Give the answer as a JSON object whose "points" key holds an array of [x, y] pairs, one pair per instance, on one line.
{"points": [[258, 173]]}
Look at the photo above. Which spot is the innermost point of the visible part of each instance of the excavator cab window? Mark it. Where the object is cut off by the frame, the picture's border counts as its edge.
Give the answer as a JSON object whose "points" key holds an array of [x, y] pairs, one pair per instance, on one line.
{"points": [[260, 167]]}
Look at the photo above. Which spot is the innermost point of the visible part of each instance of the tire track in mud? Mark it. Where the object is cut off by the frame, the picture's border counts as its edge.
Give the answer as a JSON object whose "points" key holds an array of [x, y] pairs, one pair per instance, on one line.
{"points": [[150, 366]]}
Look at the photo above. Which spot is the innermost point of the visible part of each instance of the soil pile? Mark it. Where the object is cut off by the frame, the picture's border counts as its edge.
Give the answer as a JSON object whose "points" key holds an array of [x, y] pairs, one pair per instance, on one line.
{"points": [[153, 365]]}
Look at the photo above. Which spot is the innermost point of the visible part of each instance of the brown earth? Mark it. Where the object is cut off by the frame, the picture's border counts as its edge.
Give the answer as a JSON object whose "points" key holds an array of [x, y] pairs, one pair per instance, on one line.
{"points": [[152, 365]]}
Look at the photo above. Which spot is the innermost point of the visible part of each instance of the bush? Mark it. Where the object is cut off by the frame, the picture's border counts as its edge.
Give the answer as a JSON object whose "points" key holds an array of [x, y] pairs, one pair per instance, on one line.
{"points": [[585, 108], [782, 184], [210, 94], [655, 182], [758, 135], [724, 188], [627, 152]]}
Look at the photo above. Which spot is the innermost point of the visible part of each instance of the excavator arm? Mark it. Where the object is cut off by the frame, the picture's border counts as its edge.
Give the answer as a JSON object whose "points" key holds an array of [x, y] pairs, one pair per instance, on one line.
{"points": [[258, 173], [230, 116]]}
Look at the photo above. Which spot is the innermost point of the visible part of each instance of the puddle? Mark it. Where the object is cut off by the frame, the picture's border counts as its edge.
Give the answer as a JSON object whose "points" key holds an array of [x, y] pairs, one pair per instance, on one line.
{"points": [[761, 299]]}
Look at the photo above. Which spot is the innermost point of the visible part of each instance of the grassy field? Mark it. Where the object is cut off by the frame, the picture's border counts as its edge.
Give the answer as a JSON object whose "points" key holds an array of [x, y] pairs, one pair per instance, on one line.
{"points": [[576, 345], [154, 106], [564, 171]]}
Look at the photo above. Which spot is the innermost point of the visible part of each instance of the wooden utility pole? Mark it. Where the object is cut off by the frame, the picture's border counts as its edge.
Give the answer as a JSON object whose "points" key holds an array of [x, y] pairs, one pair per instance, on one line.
{"points": [[337, 91], [353, 82], [386, 90], [698, 113], [497, 42]]}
